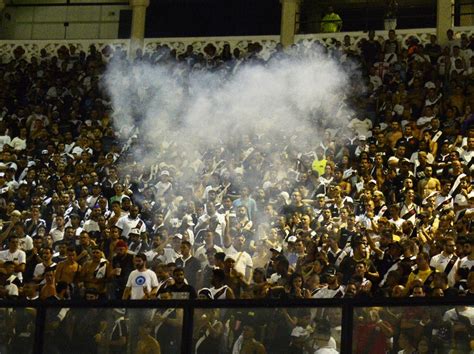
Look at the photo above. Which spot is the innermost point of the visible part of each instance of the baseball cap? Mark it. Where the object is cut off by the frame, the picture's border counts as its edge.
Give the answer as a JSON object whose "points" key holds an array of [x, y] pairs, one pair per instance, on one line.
{"points": [[430, 85], [330, 271], [134, 231], [276, 249], [291, 239], [15, 213]]}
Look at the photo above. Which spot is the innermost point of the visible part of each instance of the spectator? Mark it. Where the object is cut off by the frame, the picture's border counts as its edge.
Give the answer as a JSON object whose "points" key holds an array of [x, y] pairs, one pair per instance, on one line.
{"points": [[331, 22]]}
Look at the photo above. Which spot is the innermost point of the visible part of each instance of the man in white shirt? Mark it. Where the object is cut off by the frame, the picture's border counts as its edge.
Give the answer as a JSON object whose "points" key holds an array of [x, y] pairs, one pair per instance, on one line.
{"points": [[243, 261], [447, 261], [131, 221], [25, 241], [92, 224], [333, 289], [57, 233], [14, 254], [361, 126], [142, 283], [201, 252]]}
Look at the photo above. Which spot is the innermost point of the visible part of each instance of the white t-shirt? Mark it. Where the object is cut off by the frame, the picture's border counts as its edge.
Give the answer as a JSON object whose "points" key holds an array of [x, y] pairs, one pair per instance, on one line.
{"points": [[137, 280], [361, 127], [91, 226], [40, 268], [4, 139], [57, 234], [18, 144], [25, 243], [326, 293], [326, 351], [127, 224], [201, 254], [17, 256], [452, 316], [440, 262], [242, 259]]}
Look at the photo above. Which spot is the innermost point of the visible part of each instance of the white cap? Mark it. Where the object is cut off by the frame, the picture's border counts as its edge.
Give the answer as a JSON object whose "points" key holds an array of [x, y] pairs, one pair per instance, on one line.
{"points": [[291, 239], [178, 236], [348, 200], [12, 165], [164, 173], [277, 249], [430, 85], [392, 159], [398, 109]]}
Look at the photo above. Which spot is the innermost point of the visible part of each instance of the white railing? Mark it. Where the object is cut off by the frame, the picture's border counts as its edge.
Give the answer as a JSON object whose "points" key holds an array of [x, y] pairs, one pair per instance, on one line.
{"points": [[33, 47]]}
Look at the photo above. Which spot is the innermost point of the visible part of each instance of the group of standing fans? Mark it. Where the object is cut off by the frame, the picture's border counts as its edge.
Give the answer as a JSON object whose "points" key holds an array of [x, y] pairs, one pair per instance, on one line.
{"points": [[384, 211]]}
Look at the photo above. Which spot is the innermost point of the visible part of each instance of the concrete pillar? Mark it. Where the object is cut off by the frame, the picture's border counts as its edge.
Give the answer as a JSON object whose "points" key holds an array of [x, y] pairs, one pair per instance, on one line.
{"points": [[138, 24], [289, 9], [444, 19]]}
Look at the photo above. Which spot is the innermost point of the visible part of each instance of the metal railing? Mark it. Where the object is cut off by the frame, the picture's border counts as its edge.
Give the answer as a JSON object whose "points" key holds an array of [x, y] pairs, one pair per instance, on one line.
{"points": [[347, 305]]}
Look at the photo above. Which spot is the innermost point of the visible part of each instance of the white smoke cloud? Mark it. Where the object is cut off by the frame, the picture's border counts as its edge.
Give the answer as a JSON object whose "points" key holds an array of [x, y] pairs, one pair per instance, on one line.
{"points": [[192, 110]]}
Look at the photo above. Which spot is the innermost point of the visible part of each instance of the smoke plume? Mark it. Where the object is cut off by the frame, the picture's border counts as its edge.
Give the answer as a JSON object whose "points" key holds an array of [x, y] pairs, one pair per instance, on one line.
{"points": [[182, 112]]}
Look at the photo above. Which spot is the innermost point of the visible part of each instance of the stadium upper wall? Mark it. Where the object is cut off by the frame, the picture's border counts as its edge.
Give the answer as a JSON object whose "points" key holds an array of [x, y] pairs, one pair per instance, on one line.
{"points": [[33, 47]]}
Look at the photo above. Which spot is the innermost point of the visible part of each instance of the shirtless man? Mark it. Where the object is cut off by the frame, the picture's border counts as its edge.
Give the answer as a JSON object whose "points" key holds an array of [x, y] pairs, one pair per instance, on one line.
{"points": [[428, 184], [394, 133], [68, 270], [95, 272]]}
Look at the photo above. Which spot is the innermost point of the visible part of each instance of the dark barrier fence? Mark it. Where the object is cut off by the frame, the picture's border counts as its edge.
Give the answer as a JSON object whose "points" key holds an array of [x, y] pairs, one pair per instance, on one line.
{"points": [[18, 335]]}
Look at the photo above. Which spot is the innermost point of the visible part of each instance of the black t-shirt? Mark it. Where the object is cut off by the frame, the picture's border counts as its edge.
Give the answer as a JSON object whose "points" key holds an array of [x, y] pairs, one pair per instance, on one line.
{"points": [[126, 264], [370, 50], [348, 265], [182, 292], [346, 237]]}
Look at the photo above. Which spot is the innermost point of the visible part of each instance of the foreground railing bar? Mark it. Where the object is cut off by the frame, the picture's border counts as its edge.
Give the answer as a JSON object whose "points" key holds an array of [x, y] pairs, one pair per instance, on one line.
{"points": [[347, 328], [189, 306], [187, 330], [257, 303], [40, 322]]}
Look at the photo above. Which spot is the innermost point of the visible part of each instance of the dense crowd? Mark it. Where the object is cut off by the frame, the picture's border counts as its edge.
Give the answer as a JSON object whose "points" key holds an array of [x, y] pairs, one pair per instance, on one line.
{"points": [[384, 212]]}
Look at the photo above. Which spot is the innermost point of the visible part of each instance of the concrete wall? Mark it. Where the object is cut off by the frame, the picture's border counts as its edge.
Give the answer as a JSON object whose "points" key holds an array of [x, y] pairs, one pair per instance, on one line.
{"points": [[467, 15], [48, 22]]}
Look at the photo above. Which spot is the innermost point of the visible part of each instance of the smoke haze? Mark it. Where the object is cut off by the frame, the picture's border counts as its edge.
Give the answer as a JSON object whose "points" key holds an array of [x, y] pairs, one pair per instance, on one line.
{"points": [[182, 112]]}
